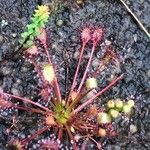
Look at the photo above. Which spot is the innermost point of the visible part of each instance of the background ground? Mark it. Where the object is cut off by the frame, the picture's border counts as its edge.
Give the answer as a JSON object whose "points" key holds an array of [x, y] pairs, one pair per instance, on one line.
{"points": [[127, 38]]}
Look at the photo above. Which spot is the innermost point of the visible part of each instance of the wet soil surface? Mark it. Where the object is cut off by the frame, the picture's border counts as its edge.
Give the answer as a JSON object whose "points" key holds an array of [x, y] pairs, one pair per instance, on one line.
{"points": [[127, 39]]}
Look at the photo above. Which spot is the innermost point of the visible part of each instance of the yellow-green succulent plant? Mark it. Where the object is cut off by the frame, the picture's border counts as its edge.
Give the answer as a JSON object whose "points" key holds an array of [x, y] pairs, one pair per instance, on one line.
{"points": [[39, 19]]}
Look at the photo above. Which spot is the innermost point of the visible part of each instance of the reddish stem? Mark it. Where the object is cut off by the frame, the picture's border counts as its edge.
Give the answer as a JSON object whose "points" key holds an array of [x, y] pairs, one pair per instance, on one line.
{"points": [[85, 127], [69, 132], [47, 53], [26, 100], [98, 94], [99, 146], [86, 70], [30, 109], [78, 67], [57, 89], [78, 99], [27, 140], [60, 134], [99, 69], [71, 137], [55, 82]]}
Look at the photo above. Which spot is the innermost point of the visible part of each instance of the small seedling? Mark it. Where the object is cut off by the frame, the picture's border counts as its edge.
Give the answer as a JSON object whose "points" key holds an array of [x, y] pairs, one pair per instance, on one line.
{"points": [[126, 109], [110, 104], [103, 118], [39, 19], [114, 113], [119, 103], [131, 103], [116, 107]]}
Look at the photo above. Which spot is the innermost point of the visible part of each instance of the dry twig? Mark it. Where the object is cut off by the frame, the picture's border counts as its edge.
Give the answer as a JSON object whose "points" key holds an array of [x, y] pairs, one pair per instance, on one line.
{"points": [[137, 20]]}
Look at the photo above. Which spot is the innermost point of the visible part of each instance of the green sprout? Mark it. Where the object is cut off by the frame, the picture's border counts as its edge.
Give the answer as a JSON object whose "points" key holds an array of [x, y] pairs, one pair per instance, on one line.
{"points": [[116, 107], [39, 19]]}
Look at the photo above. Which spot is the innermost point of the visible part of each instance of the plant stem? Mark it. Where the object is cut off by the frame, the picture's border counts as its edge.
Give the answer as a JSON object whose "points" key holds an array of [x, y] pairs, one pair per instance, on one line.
{"points": [[78, 67], [71, 137], [60, 133], [86, 70], [78, 99], [30, 109], [69, 132], [26, 140], [55, 82], [57, 89], [26, 100], [79, 108]]}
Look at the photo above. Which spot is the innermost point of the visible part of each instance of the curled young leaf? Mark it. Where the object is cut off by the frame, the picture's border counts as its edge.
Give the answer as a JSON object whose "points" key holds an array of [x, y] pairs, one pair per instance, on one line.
{"points": [[48, 72], [91, 83], [103, 118]]}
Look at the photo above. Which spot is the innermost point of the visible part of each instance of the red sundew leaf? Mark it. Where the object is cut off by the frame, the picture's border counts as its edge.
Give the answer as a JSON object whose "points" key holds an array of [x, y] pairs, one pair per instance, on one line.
{"points": [[4, 103], [49, 73], [86, 35], [97, 35], [45, 93]]}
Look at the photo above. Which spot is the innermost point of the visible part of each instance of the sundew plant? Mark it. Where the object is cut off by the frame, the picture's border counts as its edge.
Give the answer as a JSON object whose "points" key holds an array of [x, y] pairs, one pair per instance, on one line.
{"points": [[76, 117]]}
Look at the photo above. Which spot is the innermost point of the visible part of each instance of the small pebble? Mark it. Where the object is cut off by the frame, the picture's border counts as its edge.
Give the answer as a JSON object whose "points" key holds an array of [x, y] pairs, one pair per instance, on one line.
{"points": [[148, 73], [59, 23], [15, 91], [102, 4], [4, 23], [6, 70], [95, 63], [107, 42], [76, 54], [13, 35], [117, 147], [135, 37], [133, 128], [1, 38]]}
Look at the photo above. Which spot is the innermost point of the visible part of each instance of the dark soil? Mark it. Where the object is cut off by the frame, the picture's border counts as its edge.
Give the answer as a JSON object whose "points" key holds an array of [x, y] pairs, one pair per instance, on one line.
{"points": [[128, 40]]}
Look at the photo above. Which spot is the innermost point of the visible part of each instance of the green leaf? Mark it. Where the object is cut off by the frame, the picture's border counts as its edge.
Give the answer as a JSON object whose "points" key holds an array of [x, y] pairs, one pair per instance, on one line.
{"points": [[36, 15], [31, 37], [41, 25], [25, 46], [37, 31], [30, 26], [34, 34], [21, 41], [25, 35], [29, 43], [33, 19], [30, 31], [46, 21]]}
